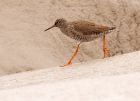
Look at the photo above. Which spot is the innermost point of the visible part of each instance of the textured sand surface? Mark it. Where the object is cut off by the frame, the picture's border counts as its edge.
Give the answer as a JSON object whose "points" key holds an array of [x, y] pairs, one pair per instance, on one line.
{"points": [[24, 46], [100, 89], [114, 79], [118, 65]]}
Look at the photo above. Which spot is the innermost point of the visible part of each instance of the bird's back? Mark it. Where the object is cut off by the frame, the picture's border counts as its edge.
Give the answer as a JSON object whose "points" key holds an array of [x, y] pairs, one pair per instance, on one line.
{"points": [[89, 28]]}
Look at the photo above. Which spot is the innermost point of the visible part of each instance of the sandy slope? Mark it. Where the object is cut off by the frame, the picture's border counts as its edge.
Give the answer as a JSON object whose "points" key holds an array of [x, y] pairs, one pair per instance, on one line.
{"points": [[118, 65], [115, 88], [24, 46], [113, 79]]}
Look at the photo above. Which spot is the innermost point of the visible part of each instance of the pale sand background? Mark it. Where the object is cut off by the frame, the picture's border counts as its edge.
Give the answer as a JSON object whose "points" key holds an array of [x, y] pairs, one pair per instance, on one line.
{"points": [[24, 46]]}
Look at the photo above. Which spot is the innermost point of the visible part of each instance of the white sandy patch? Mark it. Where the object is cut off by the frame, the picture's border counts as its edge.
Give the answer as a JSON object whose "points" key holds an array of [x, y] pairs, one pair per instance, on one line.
{"points": [[112, 79]]}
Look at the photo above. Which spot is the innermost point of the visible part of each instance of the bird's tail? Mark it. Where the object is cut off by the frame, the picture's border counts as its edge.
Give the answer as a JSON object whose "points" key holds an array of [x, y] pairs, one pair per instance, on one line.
{"points": [[112, 28]]}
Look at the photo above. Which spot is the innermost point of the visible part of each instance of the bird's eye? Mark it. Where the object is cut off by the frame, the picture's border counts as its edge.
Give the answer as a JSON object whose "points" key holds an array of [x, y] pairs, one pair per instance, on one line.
{"points": [[56, 22]]}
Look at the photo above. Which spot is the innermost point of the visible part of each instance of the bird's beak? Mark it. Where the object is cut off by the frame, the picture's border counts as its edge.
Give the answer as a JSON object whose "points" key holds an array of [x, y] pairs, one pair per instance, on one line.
{"points": [[49, 28]]}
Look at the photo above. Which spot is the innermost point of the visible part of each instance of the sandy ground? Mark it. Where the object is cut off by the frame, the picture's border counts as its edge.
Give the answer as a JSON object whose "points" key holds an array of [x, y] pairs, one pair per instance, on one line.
{"points": [[117, 65], [103, 89], [24, 46], [112, 79]]}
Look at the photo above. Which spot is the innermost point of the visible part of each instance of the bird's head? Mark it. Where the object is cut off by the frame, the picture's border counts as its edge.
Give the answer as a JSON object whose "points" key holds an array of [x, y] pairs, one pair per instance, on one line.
{"points": [[60, 23]]}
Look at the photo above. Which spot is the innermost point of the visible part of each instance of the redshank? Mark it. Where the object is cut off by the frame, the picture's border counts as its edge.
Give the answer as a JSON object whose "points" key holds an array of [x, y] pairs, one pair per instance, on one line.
{"points": [[83, 31]]}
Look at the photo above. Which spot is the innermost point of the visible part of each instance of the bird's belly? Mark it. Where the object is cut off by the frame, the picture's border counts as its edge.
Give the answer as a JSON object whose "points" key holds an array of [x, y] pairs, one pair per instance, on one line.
{"points": [[86, 38], [80, 37]]}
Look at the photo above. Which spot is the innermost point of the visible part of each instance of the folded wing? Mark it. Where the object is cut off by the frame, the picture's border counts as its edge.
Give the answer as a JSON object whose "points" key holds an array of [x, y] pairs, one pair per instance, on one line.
{"points": [[88, 28]]}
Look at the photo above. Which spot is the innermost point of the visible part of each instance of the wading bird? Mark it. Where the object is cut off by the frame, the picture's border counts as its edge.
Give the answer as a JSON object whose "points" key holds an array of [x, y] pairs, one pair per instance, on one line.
{"points": [[82, 31]]}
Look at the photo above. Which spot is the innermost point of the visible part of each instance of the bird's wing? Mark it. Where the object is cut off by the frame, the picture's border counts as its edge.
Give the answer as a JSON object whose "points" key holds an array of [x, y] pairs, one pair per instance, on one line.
{"points": [[88, 28]]}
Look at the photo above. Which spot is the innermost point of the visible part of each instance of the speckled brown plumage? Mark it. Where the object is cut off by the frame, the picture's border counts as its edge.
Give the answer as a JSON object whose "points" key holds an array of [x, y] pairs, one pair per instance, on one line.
{"points": [[82, 31]]}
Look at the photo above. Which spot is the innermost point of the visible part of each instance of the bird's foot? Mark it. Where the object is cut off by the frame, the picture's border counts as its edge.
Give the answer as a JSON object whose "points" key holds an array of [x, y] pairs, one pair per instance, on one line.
{"points": [[73, 56], [67, 64], [106, 52]]}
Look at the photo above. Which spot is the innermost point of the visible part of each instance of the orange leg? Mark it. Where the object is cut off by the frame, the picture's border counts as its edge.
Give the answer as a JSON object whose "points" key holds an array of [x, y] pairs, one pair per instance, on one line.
{"points": [[105, 49], [73, 56]]}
